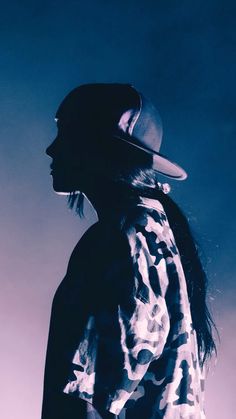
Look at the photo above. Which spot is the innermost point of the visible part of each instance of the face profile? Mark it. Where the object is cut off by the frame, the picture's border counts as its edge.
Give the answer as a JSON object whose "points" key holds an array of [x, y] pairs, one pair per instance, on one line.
{"points": [[76, 151], [69, 158], [62, 163]]}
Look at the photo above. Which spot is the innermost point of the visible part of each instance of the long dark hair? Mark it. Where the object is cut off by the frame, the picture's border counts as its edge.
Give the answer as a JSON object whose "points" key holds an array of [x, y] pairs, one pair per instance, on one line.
{"points": [[135, 179], [195, 275]]}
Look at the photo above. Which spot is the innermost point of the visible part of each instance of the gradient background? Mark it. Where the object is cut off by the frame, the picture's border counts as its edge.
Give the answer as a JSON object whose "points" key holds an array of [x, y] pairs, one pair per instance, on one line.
{"points": [[179, 53]]}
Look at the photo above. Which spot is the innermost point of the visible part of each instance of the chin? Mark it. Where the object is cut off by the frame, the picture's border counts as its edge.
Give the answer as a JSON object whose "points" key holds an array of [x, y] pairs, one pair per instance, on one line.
{"points": [[61, 192], [61, 188]]}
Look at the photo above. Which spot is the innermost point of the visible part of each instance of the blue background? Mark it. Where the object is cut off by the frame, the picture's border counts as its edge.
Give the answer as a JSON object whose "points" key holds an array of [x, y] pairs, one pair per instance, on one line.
{"points": [[179, 53]]}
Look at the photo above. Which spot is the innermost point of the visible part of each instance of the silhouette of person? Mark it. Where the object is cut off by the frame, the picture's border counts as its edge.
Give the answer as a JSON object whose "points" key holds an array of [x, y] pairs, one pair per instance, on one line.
{"points": [[130, 330]]}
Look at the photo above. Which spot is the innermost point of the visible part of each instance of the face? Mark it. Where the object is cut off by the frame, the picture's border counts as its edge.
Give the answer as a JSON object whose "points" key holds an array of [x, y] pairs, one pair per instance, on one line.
{"points": [[70, 160], [79, 152]]}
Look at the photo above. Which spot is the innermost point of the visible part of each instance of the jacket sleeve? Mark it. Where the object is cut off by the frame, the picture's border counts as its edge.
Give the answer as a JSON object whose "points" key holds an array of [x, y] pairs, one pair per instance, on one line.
{"points": [[142, 313], [121, 342]]}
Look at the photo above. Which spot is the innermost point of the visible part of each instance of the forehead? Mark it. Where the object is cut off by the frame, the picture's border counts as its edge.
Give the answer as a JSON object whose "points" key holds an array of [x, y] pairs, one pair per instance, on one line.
{"points": [[69, 109], [96, 105], [76, 111]]}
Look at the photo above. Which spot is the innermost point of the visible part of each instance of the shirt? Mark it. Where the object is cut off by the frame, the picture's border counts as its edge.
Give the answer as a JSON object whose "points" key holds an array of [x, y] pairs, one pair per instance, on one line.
{"points": [[121, 334]]}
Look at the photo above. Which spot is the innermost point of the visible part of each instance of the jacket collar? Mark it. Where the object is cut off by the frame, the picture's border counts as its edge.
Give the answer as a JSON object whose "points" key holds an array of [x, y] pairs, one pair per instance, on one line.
{"points": [[151, 203]]}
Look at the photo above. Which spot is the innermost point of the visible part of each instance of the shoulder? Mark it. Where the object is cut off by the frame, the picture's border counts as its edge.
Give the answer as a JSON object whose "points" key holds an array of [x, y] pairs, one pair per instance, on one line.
{"points": [[138, 225], [147, 231], [147, 218]]}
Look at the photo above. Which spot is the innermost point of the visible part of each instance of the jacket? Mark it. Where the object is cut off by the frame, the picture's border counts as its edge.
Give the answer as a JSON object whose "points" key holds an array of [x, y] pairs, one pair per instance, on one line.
{"points": [[121, 334]]}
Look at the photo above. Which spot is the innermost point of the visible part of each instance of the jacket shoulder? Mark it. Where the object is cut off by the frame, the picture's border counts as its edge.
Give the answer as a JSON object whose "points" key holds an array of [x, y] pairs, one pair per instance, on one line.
{"points": [[143, 218]]}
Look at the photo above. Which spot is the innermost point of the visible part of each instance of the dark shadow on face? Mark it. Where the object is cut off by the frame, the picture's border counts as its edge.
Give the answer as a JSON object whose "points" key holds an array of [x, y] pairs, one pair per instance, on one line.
{"points": [[71, 150], [83, 147]]}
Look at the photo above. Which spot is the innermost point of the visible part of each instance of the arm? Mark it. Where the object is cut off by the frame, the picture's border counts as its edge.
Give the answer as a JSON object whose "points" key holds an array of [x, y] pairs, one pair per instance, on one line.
{"points": [[93, 413], [143, 314]]}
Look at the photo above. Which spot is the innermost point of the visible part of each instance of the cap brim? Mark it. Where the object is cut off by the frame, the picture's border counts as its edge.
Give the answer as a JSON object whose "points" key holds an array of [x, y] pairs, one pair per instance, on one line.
{"points": [[161, 164], [168, 168]]}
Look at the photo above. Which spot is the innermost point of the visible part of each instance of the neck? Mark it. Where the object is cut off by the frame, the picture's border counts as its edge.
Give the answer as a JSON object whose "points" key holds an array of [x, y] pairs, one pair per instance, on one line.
{"points": [[109, 202]]}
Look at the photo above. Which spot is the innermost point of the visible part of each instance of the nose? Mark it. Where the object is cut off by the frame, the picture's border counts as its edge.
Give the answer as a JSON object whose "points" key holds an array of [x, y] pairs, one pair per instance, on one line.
{"points": [[51, 149]]}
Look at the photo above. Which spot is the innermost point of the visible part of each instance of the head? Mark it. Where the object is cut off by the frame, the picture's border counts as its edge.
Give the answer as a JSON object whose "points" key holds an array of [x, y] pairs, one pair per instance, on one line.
{"points": [[106, 131]]}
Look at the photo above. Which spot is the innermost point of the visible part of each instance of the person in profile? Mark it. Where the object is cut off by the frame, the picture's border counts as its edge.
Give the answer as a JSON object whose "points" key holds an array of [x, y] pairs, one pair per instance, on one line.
{"points": [[130, 331]]}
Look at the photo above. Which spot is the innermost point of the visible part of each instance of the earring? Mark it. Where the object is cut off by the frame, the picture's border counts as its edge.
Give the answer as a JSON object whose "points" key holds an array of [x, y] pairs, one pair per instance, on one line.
{"points": [[164, 187]]}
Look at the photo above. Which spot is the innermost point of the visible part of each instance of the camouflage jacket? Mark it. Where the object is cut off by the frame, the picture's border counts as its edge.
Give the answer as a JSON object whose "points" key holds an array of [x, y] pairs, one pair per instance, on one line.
{"points": [[121, 334]]}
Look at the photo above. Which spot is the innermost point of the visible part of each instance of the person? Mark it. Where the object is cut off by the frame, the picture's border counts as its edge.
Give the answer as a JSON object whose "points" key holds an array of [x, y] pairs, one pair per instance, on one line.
{"points": [[130, 331]]}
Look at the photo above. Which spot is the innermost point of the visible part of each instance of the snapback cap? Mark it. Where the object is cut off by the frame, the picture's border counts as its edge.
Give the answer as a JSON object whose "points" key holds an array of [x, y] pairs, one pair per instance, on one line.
{"points": [[141, 126], [120, 111]]}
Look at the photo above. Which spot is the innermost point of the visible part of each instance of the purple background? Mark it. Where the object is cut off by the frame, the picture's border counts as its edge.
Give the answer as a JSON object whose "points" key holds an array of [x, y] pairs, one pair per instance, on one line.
{"points": [[179, 53]]}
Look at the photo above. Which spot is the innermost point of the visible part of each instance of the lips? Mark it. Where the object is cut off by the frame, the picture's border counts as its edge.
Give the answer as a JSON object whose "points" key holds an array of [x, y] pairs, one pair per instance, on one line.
{"points": [[53, 168]]}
